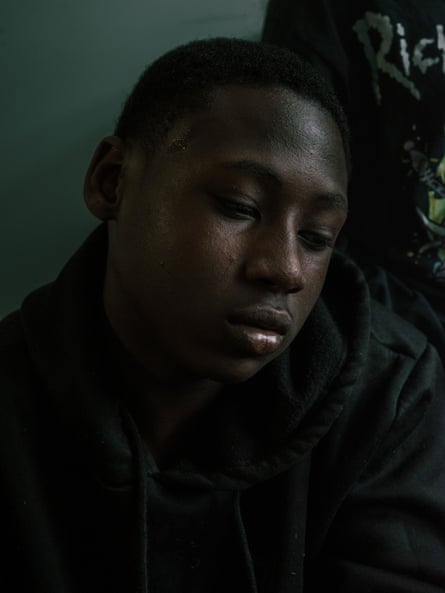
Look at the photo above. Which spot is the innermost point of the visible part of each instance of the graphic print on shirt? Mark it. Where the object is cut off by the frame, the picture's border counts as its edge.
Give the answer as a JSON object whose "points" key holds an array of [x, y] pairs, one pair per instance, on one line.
{"points": [[431, 174], [392, 47], [392, 52]]}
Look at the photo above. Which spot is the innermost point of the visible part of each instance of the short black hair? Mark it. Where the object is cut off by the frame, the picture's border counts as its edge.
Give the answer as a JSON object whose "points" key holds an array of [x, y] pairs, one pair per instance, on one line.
{"points": [[182, 80]]}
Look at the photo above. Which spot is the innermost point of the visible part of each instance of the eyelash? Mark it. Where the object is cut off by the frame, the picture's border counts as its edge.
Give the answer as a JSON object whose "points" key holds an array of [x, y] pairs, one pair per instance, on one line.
{"points": [[238, 210], [316, 242]]}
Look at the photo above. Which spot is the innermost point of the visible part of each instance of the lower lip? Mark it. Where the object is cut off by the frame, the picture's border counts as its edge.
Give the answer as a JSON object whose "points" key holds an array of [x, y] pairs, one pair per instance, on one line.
{"points": [[255, 340]]}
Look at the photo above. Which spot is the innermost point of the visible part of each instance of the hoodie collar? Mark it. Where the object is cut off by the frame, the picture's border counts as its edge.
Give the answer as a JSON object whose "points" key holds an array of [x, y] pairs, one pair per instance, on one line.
{"points": [[255, 431]]}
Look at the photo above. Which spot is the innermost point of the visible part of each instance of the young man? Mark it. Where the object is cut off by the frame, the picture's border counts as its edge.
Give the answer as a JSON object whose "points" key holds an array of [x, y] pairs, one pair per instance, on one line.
{"points": [[197, 403]]}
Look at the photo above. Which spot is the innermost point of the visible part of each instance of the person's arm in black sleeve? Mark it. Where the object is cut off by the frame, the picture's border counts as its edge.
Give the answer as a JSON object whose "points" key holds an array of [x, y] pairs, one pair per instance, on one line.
{"points": [[312, 28]]}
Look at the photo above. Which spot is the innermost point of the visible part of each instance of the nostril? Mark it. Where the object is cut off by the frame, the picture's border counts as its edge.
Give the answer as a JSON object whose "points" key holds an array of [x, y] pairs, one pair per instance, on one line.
{"points": [[294, 289], [277, 269], [278, 285]]}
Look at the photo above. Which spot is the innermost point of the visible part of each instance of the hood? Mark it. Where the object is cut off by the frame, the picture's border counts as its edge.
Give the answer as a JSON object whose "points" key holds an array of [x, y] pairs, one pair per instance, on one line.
{"points": [[254, 431]]}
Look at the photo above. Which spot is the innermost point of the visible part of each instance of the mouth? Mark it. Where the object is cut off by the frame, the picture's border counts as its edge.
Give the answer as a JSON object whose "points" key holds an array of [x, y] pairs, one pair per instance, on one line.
{"points": [[259, 330]]}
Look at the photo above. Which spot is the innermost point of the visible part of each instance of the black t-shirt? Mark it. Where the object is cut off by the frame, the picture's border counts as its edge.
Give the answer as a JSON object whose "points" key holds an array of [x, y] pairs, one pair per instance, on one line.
{"points": [[387, 62]]}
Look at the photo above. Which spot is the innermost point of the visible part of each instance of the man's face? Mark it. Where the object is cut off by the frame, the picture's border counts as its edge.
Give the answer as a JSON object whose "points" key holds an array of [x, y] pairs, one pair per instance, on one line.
{"points": [[222, 239]]}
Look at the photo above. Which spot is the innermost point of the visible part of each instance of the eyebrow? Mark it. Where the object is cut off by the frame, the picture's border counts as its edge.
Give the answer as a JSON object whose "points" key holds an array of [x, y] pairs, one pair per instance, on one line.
{"points": [[258, 169], [255, 168], [337, 201]]}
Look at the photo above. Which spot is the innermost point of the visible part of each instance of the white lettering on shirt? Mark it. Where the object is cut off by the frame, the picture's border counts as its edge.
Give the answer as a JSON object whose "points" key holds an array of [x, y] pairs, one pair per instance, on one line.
{"points": [[379, 58]]}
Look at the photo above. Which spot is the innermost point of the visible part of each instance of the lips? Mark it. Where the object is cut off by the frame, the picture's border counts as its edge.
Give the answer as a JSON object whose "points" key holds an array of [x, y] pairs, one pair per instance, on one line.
{"points": [[258, 331], [273, 320]]}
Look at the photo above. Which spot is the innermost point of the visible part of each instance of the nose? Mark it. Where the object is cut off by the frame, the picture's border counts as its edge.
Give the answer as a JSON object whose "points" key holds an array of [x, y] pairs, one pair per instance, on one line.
{"points": [[275, 261]]}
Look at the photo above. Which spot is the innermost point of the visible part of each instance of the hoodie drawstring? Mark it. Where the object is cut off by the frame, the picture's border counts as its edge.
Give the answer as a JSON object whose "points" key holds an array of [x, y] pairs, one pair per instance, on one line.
{"points": [[142, 515], [245, 544], [141, 492]]}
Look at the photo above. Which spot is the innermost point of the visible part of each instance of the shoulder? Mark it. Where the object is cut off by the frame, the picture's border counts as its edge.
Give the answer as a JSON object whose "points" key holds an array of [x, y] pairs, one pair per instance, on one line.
{"points": [[400, 389], [394, 376], [404, 363], [17, 381], [19, 378], [12, 342], [389, 331], [404, 357]]}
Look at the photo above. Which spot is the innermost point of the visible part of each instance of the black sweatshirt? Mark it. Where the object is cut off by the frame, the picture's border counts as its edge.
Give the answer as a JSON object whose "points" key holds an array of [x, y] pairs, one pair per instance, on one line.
{"points": [[324, 472]]}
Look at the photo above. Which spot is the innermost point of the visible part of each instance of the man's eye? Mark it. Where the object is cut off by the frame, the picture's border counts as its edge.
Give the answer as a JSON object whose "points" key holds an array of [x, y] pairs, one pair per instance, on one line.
{"points": [[316, 241], [237, 209]]}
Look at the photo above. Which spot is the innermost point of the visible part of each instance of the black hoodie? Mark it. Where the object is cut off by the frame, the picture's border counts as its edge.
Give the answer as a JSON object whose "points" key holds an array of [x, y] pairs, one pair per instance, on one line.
{"points": [[325, 472]]}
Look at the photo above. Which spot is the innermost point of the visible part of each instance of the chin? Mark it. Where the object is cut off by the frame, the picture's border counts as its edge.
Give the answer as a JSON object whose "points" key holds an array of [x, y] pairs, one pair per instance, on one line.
{"points": [[239, 371]]}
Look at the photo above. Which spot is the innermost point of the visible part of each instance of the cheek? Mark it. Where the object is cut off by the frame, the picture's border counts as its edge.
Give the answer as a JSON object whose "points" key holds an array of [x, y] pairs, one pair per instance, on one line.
{"points": [[304, 302], [318, 274], [205, 257]]}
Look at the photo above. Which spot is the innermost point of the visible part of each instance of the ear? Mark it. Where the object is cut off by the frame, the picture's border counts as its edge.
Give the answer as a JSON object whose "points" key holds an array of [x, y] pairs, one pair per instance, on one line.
{"points": [[101, 187]]}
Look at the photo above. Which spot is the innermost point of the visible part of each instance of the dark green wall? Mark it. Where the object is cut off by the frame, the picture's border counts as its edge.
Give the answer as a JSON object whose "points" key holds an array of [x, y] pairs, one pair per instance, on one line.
{"points": [[66, 69]]}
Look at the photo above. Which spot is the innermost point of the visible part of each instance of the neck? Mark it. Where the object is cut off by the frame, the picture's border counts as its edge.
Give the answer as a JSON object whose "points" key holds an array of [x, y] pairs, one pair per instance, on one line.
{"points": [[163, 407], [165, 415]]}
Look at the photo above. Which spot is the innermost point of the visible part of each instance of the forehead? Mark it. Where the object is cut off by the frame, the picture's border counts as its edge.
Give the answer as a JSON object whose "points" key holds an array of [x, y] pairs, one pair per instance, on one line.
{"points": [[274, 123]]}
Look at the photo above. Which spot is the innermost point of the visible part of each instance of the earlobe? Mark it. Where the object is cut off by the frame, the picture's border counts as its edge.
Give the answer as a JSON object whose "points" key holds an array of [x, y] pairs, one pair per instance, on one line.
{"points": [[101, 187]]}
